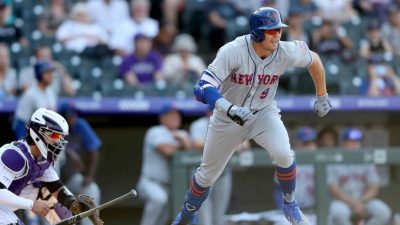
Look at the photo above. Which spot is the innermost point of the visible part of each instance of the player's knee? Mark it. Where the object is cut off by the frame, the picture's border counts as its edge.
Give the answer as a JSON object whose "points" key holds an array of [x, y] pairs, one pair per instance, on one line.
{"points": [[340, 211], [205, 181], [283, 158], [160, 199], [381, 211]]}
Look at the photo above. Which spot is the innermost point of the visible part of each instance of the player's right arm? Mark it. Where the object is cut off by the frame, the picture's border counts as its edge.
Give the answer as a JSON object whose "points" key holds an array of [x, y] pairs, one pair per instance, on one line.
{"points": [[206, 90], [12, 165]]}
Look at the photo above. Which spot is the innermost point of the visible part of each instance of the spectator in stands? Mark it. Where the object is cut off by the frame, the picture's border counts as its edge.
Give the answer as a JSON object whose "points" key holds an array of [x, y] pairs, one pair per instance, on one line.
{"points": [[354, 188], [214, 208], [8, 76], [140, 22], [172, 10], [375, 45], [81, 35], [305, 185], [10, 32], [391, 30], [39, 95], [282, 6], [142, 67], [247, 7], [62, 81], [329, 41], [377, 9], [108, 13], [160, 143], [328, 137], [81, 155], [382, 79], [183, 68], [221, 18], [338, 11], [306, 8], [164, 40], [53, 16], [295, 31]]}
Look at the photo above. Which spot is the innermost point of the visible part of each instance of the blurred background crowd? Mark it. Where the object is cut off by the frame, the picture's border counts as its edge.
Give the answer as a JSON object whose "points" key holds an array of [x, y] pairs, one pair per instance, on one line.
{"points": [[159, 48], [145, 48]]}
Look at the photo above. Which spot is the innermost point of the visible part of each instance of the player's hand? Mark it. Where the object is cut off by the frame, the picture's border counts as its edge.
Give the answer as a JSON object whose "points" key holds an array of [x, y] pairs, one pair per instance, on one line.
{"points": [[87, 180], [240, 114], [41, 208], [358, 209], [322, 105]]}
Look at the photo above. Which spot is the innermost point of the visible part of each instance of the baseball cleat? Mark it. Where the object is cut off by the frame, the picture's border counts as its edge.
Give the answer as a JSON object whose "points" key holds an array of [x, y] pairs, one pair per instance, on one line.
{"points": [[179, 221], [293, 213]]}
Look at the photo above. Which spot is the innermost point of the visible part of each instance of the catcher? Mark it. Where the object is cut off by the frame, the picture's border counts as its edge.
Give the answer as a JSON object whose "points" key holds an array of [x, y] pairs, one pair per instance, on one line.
{"points": [[27, 177]]}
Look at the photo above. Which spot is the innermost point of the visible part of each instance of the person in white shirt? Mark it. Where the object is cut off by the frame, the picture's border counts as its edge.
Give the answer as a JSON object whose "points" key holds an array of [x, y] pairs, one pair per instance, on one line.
{"points": [[79, 33], [108, 13], [183, 68], [121, 39], [8, 76]]}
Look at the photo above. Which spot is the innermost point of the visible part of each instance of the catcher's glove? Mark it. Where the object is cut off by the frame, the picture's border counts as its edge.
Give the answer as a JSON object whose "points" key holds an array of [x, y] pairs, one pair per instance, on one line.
{"points": [[83, 203]]}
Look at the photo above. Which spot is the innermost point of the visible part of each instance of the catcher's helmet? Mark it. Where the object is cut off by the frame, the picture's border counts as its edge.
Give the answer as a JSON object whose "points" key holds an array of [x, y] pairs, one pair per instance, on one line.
{"points": [[48, 129], [265, 18]]}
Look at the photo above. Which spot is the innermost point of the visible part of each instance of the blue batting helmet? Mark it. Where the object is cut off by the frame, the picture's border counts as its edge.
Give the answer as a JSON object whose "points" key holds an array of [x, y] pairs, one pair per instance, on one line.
{"points": [[40, 67], [265, 18]]}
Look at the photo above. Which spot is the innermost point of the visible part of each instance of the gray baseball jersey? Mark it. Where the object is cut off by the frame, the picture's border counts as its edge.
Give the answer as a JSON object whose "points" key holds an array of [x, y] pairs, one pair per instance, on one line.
{"points": [[305, 185], [155, 166], [27, 78], [353, 179], [248, 80], [245, 79], [32, 99]]}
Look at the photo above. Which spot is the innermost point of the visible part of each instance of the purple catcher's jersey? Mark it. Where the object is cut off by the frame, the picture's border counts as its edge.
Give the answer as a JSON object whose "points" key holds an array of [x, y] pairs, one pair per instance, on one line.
{"points": [[22, 174], [247, 80]]}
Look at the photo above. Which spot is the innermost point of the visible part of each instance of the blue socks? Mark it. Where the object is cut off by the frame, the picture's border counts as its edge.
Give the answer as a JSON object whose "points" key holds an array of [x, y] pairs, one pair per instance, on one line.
{"points": [[287, 180], [195, 196]]}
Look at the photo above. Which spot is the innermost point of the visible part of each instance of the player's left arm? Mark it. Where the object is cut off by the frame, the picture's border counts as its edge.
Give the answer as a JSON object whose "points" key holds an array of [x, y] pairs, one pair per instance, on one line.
{"points": [[370, 193], [317, 73], [92, 145], [322, 105]]}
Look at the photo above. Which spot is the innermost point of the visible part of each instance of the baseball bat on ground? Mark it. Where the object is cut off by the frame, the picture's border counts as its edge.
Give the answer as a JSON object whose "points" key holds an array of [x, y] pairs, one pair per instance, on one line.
{"points": [[76, 218]]}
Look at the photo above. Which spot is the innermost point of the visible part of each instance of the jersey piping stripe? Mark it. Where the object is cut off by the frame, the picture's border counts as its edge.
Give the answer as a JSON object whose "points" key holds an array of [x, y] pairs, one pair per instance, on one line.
{"points": [[254, 72], [210, 80], [210, 73], [311, 58], [276, 53]]}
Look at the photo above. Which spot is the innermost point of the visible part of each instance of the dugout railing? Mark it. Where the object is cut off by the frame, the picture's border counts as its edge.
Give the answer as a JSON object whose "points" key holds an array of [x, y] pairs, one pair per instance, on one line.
{"points": [[184, 162]]}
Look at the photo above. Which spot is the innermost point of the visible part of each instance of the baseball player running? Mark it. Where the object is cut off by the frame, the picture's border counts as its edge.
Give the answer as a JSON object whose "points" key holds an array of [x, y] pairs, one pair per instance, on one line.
{"points": [[27, 172], [241, 84]]}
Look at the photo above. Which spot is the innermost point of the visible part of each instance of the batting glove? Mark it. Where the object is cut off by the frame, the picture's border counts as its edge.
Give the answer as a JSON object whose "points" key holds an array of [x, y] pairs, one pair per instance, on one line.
{"points": [[240, 114], [322, 105]]}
